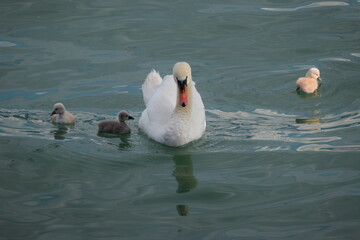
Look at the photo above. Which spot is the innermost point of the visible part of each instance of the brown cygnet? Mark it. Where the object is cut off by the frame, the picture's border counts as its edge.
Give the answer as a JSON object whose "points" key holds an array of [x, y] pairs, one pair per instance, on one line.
{"points": [[116, 127]]}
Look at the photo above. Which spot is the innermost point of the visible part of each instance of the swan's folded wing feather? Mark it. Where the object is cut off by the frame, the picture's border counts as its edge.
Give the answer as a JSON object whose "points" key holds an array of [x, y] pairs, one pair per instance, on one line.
{"points": [[162, 103], [151, 83], [198, 113]]}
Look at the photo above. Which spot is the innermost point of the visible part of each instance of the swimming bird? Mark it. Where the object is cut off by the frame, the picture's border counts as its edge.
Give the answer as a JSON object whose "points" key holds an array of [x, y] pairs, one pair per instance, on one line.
{"points": [[309, 83], [174, 113], [60, 115], [116, 127]]}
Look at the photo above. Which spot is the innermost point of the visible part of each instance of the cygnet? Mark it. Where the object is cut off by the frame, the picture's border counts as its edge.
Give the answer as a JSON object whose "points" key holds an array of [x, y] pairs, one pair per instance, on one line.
{"points": [[116, 127], [309, 83], [60, 115]]}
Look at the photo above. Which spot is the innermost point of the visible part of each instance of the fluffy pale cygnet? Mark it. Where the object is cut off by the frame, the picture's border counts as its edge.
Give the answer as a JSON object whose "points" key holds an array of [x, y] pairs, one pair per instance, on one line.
{"points": [[60, 115], [309, 83], [116, 127]]}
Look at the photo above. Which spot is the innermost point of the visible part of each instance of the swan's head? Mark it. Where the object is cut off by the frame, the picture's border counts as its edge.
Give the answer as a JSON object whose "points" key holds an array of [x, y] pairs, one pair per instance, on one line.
{"points": [[313, 73], [59, 108], [123, 115], [182, 77]]}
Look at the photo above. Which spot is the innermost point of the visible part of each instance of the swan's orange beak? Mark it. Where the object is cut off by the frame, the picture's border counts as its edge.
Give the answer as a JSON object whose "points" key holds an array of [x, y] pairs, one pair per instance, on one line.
{"points": [[183, 96], [183, 92]]}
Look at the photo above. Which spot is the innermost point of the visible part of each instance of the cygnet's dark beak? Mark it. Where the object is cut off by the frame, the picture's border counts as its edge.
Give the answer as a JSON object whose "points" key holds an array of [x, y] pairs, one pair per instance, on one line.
{"points": [[53, 113], [130, 117]]}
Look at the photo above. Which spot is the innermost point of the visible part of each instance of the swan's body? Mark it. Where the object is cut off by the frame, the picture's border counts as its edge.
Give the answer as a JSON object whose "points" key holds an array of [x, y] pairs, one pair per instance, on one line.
{"points": [[60, 115], [175, 113], [309, 83], [116, 127]]}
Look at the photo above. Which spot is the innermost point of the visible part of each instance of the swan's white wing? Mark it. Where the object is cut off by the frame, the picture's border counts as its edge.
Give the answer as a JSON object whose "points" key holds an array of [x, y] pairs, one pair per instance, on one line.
{"points": [[198, 120], [152, 81], [159, 108], [162, 103]]}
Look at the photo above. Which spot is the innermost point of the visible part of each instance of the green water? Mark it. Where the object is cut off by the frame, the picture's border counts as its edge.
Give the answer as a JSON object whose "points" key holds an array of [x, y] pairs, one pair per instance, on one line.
{"points": [[272, 164]]}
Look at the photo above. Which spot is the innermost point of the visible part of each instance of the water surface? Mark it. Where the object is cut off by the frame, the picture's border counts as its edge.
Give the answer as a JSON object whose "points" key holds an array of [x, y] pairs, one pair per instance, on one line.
{"points": [[271, 165]]}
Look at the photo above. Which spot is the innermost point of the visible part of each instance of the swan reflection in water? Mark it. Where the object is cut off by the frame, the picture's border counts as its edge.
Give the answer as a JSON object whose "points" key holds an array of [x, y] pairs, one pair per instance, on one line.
{"points": [[309, 123], [315, 94], [125, 143], [185, 178], [60, 131], [313, 120]]}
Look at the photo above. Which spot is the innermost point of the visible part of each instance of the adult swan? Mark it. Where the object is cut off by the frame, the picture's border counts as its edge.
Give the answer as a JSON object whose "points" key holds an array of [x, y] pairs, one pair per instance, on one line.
{"points": [[174, 113]]}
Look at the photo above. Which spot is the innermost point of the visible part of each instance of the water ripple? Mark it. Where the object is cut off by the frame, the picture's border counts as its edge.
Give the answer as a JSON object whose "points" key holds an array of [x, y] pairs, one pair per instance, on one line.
{"points": [[326, 147], [312, 5], [282, 131], [7, 44], [259, 130]]}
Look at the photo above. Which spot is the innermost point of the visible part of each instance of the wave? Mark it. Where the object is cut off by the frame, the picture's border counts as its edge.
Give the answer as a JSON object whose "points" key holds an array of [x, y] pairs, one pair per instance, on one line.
{"points": [[275, 131], [258, 130], [312, 5]]}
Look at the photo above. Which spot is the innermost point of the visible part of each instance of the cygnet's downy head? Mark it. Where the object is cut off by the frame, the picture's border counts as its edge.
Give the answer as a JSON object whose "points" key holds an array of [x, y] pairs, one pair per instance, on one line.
{"points": [[123, 116], [59, 108], [182, 77], [313, 73]]}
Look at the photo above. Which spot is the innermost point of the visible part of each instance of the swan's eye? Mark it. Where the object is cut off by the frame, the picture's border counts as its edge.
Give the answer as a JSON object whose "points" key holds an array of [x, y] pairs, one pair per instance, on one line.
{"points": [[183, 81], [182, 84]]}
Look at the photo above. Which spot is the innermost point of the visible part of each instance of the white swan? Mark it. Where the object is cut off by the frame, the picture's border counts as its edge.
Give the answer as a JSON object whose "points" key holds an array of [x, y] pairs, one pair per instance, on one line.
{"points": [[174, 113]]}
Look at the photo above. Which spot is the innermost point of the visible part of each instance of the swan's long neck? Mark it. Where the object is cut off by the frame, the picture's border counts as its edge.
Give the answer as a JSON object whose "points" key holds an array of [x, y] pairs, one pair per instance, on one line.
{"points": [[123, 125], [61, 115], [179, 127]]}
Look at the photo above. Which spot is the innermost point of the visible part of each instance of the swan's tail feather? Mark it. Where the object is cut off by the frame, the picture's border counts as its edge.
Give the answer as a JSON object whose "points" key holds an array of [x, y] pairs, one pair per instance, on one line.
{"points": [[152, 81]]}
